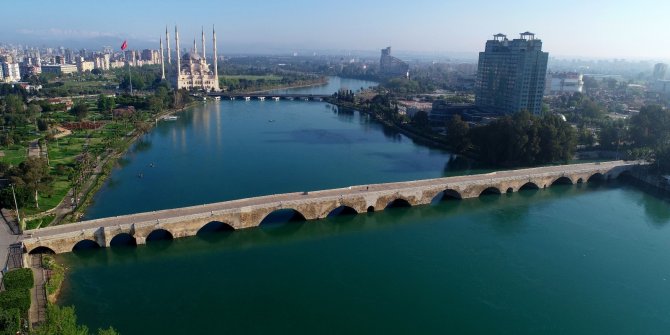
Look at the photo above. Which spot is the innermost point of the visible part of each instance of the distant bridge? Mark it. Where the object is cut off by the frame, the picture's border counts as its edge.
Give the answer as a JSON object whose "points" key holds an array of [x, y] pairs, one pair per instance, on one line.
{"points": [[247, 213], [269, 96]]}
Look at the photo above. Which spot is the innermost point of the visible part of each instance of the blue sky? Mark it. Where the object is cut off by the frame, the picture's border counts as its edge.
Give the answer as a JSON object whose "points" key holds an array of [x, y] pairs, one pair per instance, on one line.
{"points": [[587, 28]]}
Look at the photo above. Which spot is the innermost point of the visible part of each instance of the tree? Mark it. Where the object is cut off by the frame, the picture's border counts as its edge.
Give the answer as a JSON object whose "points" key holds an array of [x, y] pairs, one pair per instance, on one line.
{"points": [[106, 103], [421, 121], [458, 134], [156, 104], [42, 125], [590, 109], [524, 139], [650, 127], [80, 110], [34, 110], [33, 176], [10, 321], [63, 321], [14, 104], [585, 137]]}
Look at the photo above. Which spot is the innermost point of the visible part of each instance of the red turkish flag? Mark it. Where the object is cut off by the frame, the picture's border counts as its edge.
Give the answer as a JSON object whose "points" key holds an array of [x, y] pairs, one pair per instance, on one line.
{"points": [[124, 45]]}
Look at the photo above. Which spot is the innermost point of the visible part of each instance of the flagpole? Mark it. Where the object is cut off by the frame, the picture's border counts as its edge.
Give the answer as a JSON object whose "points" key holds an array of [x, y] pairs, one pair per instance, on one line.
{"points": [[130, 77]]}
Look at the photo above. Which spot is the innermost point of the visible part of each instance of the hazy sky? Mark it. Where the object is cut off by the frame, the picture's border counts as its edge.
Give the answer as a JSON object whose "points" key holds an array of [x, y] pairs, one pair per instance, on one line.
{"points": [[588, 28]]}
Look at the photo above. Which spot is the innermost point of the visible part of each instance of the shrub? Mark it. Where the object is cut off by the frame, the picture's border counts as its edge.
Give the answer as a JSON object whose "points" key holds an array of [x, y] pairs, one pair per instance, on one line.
{"points": [[18, 279], [19, 299], [10, 321], [57, 275]]}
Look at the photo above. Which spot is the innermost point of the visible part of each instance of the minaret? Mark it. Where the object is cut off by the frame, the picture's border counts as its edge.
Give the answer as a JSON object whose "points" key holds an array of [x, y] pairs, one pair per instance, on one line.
{"points": [[162, 60], [203, 43], [167, 42], [176, 36], [216, 61], [195, 48]]}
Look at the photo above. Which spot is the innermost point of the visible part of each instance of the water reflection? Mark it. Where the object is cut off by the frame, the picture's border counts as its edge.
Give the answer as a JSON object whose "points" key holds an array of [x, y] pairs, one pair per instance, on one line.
{"points": [[142, 144]]}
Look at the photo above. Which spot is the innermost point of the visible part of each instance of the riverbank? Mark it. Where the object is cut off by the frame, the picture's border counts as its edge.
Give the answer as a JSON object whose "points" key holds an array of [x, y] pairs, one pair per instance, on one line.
{"points": [[319, 82], [64, 212], [407, 131], [110, 161]]}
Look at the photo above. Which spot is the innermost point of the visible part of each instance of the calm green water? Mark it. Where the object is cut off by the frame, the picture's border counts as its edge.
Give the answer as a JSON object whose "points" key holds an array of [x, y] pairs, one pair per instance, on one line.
{"points": [[565, 260], [589, 259]]}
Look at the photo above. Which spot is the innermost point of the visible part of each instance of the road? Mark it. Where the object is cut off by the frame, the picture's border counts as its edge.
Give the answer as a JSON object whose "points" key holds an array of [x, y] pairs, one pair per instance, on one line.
{"points": [[288, 197]]}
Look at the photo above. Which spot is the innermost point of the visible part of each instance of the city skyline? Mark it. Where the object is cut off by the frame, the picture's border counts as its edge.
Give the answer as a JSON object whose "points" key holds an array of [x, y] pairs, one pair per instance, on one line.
{"points": [[569, 29]]}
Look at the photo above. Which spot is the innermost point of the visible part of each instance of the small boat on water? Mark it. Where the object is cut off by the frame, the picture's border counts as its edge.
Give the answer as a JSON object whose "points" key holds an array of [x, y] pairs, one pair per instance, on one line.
{"points": [[170, 118]]}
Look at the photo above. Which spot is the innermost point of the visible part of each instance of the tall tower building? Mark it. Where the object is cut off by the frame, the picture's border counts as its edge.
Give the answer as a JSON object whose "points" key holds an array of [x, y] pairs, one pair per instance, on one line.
{"points": [[215, 59], [160, 40], [660, 70], [167, 43], [203, 43], [511, 75]]}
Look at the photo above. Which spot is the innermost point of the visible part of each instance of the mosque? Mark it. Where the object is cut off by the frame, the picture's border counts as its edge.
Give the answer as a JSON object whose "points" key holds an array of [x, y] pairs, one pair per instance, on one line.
{"points": [[192, 72]]}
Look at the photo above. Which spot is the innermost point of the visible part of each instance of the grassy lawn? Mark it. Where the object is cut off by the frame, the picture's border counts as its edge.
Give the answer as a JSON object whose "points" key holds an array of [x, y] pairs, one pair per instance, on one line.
{"points": [[41, 222], [14, 154], [65, 150], [85, 85]]}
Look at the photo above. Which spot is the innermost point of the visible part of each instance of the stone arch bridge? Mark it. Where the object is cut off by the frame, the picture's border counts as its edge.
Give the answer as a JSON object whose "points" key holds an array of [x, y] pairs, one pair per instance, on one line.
{"points": [[247, 213]]}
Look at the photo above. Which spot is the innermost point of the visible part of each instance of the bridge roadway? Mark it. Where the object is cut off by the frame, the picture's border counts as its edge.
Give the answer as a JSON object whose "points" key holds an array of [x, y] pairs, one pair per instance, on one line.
{"points": [[246, 213]]}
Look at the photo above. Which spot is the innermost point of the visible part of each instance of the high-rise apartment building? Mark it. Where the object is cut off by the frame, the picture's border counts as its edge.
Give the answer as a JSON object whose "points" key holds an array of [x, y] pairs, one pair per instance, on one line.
{"points": [[511, 75], [390, 66], [11, 72], [660, 70]]}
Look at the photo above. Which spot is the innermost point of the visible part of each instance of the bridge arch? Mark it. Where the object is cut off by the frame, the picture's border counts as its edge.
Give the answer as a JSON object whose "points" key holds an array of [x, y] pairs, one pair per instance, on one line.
{"points": [[596, 177], [214, 227], [529, 186], [490, 190], [446, 195], [85, 245], [41, 250], [398, 203], [123, 239], [342, 211], [371, 209], [284, 215], [159, 235], [625, 174], [562, 181]]}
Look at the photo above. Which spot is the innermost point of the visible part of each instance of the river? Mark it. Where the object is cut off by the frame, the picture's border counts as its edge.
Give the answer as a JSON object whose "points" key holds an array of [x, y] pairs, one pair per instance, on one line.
{"points": [[235, 149], [586, 259]]}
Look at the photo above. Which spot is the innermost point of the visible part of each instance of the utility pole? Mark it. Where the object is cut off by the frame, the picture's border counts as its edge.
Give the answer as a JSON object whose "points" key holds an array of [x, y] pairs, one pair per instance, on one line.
{"points": [[16, 205]]}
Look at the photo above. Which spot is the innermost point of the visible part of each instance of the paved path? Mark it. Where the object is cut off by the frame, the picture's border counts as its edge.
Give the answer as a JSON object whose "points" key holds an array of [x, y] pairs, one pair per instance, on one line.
{"points": [[34, 149], [6, 239], [38, 305], [287, 197]]}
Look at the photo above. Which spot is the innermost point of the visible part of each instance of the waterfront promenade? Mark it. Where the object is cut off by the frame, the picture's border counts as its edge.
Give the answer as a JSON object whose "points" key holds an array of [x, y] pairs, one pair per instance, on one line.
{"points": [[250, 212]]}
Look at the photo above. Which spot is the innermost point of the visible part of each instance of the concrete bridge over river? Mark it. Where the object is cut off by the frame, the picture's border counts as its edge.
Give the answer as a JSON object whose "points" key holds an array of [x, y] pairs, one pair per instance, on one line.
{"points": [[269, 96], [247, 213]]}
